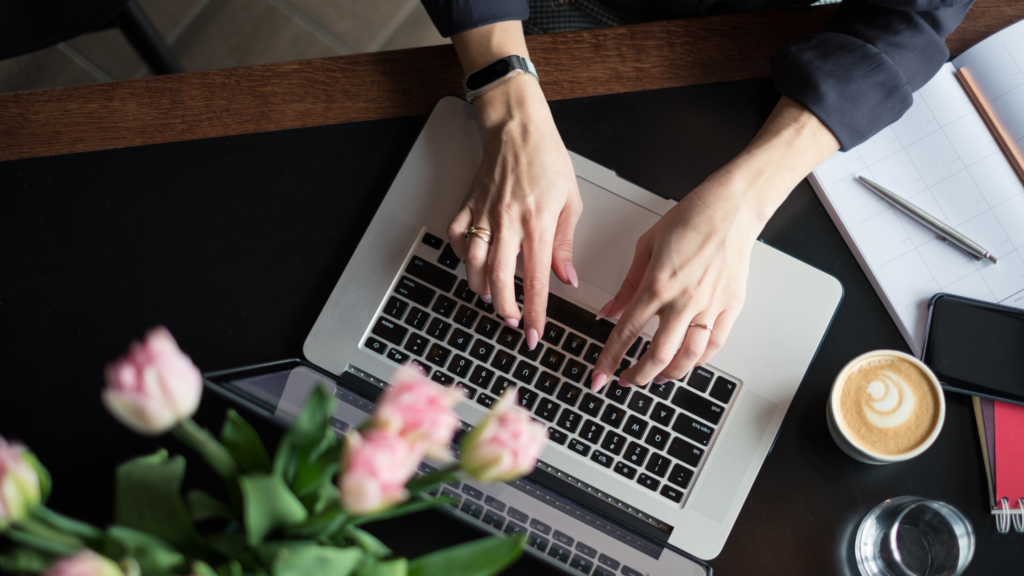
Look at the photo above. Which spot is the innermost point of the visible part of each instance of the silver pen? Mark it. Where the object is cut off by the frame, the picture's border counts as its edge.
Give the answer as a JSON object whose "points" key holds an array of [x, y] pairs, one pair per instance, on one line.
{"points": [[946, 233]]}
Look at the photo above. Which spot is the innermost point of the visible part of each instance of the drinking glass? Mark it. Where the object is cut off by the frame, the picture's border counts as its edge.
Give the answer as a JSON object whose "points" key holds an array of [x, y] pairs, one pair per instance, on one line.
{"points": [[911, 536]]}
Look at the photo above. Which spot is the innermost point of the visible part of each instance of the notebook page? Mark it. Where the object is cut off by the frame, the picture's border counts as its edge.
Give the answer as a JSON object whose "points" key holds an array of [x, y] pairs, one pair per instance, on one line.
{"points": [[997, 66], [941, 157], [1009, 453]]}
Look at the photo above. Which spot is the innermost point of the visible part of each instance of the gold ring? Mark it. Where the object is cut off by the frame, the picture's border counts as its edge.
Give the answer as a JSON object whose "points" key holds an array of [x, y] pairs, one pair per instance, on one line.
{"points": [[707, 327], [481, 233]]}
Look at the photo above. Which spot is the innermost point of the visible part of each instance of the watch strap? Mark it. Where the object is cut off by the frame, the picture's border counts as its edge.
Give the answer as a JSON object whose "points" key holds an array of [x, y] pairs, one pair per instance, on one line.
{"points": [[513, 66]]}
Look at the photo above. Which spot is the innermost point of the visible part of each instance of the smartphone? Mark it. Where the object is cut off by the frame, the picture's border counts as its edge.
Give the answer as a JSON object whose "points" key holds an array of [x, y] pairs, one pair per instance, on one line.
{"points": [[976, 347]]}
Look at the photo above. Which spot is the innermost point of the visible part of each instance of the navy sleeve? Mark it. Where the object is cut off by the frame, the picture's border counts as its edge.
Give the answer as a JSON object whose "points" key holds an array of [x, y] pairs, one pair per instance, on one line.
{"points": [[859, 75], [454, 16]]}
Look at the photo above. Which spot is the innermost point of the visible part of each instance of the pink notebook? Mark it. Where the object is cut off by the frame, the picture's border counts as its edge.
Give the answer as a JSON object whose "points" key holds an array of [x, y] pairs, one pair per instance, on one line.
{"points": [[1001, 430]]}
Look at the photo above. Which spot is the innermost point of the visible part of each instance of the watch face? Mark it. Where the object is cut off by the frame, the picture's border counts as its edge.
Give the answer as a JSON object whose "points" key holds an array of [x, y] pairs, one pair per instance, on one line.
{"points": [[488, 74]]}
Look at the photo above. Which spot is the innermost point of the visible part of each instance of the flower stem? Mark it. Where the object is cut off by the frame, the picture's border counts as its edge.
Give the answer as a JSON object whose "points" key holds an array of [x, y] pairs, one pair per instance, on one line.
{"points": [[208, 447], [33, 526]]}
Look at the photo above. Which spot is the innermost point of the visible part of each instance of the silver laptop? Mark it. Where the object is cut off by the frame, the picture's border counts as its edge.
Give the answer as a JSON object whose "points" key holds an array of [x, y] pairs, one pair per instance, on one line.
{"points": [[671, 463]]}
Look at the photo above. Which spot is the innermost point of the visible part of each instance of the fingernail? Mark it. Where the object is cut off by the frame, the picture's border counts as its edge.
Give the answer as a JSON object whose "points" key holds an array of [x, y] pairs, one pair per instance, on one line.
{"points": [[512, 322], [660, 380], [606, 309], [571, 273], [486, 298], [597, 382], [624, 382], [531, 338]]}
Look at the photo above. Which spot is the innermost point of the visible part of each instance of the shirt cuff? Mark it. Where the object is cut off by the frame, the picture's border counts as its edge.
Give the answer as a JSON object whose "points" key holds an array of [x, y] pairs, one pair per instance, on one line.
{"points": [[452, 17]]}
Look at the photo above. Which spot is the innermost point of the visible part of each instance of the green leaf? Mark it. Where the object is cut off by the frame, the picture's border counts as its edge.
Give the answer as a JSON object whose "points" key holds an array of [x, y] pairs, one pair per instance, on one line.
{"points": [[317, 560], [149, 499], [40, 544], [200, 568], [244, 444], [305, 435], [202, 506], [67, 525], [402, 509], [24, 561], [427, 481], [478, 558], [318, 468], [155, 556], [367, 541], [45, 481], [320, 527], [232, 568], [268, 504], [229, 545], [396, 567], [269, 552]]}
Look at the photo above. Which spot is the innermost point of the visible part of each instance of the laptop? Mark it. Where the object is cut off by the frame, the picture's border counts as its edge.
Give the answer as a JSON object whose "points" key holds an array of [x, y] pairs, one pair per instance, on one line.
{"points": [[637, 480]]}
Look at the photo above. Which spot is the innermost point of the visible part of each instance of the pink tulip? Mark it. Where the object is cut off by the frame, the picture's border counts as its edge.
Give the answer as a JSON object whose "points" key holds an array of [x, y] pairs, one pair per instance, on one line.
{"points": [[418, 410], [20, 489], [504, 445], [375, 469], [84, 563], [154, 386]]}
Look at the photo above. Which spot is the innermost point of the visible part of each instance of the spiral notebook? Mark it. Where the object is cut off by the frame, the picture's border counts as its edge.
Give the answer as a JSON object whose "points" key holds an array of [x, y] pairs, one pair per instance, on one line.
{"points": [[1001, 430]]}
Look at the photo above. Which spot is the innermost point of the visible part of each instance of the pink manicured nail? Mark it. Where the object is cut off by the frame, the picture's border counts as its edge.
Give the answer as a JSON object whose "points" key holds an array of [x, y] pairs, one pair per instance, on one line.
{"points": [[531, 338], [512, 322], [571, 273], [486, 298], [598, 381], [624, 382], [660, 380], [606, 309]]}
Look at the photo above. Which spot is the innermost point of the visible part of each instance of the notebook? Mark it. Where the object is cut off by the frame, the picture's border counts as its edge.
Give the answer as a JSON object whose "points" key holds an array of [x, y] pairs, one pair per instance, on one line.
{"points": [[942, 157], [1001, 430]]}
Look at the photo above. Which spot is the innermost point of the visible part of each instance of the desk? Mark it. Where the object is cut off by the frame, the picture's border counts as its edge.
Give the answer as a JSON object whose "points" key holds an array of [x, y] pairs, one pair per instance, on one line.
{"points": [[235, 242]]}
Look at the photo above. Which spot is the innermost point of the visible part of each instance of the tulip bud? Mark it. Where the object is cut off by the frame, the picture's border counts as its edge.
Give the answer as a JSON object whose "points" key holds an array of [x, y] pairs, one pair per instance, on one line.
{"points": [[374, 471], [84, 563], [20, 486], [418, 410], [504, 445], [154, 386]]}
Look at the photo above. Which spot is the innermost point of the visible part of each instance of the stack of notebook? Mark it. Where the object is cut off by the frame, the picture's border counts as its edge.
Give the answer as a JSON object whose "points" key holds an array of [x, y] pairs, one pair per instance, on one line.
{"points": [[1001, 428]]}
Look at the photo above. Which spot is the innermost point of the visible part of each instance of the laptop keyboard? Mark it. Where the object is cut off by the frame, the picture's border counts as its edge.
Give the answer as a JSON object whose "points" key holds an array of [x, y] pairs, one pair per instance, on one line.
{"points": [[656, 436]]}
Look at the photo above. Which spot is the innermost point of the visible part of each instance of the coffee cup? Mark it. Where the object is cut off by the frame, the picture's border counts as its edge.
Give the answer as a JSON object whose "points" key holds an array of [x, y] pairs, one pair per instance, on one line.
{"points": [[885, 406]]}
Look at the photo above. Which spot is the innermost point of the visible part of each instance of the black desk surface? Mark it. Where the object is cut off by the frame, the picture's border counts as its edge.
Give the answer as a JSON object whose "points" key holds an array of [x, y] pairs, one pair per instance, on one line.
{"points": [[235, 243]]}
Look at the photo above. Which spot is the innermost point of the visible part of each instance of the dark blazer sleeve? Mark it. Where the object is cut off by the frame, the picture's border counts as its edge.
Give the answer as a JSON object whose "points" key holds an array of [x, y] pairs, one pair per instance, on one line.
{"points": [[858, 76], [454, 16]]}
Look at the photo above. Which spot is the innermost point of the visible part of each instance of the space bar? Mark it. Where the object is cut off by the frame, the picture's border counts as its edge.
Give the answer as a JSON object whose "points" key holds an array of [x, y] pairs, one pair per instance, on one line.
{"points": [[578, 319]]}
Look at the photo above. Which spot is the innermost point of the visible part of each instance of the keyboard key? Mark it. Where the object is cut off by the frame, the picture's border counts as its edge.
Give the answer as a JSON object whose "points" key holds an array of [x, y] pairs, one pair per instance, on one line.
{"points": [[417, 318], [657, 438], [423, 368], [557, 436], [563, 538], [560, 553], [413, 290], [663, 414], [531, 355], [524, 372], [722, 390], [672, 493], [527, 398], [693, 429], [591, 431], [640, 403], [462, 292], [514, 529], [460, 366], [581, 564], [574, 344], [553, 333], [608, 561], [591, 404], [643, 350], [448, 259], [574, 370], [485, 400], [481, 377], [538, 542], [552, 360], [389, 330], [613, 416], [472, 492], [636, 346], [502, 385], [453, 496], [444, 306], [685, 452], [417, 344], [396, 307], [494, 503], [663, 390], [623, 469], [489, 308], [587, 551], [700, 379], [442, 378], [635, 454], [517, 288], [635, 426], [481, 350], [602, 458], [518, 515], [613, 442], [509, 337], [395, 356], [624, 364], [578, 319], [547, 382], [460, 339], [540, 527], [569, 394], [569, 420], [432, 241], [617, 393], [698, 405], [431, 274], [658, 465], [493, 519], [579, 447], [680, 476], [466, 316], [438, 329], [375, 345], [503, 361], [547, 409], [592, 353], [648, 482], [487, 327]]}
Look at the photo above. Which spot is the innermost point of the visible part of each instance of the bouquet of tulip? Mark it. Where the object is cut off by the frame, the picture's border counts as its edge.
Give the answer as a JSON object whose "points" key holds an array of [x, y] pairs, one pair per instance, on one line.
{"points": [[299, 513]]}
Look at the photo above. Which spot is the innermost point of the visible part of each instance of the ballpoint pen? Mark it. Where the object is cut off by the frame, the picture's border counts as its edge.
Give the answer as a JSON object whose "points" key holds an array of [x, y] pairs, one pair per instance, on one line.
{"points": [[946, 233]]}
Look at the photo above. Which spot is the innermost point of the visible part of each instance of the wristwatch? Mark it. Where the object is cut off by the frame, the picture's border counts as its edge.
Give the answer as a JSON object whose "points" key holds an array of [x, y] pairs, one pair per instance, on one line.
{"points": [[495, 74]]}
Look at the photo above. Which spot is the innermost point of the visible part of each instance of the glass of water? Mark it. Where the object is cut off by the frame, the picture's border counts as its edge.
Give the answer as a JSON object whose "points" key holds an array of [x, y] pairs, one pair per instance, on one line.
{"points": [[911, 536]]}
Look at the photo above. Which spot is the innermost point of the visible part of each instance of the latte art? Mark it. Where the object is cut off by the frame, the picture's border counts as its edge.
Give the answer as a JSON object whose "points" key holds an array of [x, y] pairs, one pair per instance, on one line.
{"points": [[893, 401]]}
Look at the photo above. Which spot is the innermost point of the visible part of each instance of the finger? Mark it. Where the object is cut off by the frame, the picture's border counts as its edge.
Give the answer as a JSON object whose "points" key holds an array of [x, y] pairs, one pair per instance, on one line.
{"points": [[478, 253], [695, 342], [627, 291], [502, 272], [720, 333], [561, 254], [536, 266], [457, 231], [672, 330], [633, 321]]}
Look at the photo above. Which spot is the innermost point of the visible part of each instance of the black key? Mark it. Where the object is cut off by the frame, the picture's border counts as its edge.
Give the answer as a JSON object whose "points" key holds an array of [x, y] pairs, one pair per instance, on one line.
{"points": [[591, 431], [552, 360], [613, 416], [560, 553], [339, 424], [636, 346], [648, 482], [700, 379], [432, 241], [693, 429], [487, 327], [640, 403], [616, 393], [431, 274], [672, 493], [524, 372], [602, 458], [375, 345], [438, 329], [563, 538], [448, 259], [481, 377], [586, 550], [396, 307], [502, 385], [489, 308], [460, 365], [569, 394], [663, 390], [518, 515], [582, 321], [624, 364], [547, 409], [635, 454], [613, 442], [574, 344], [485, 400], [593, 351], [531, 355], [494, 503], [509, 337], [517, 287], [658, 465], [537, 541], [527, 398], [553, 333], [444, 306], [503, 361], [442, 378], [581, 564], [685, 452], [547, 383], [451, 494], [466, 316], [395, 356], [493, 519], [462, 292], [413, 290], [417, 318], [569, 420], [540, 527], [472, 492], [643, 350], [591, 404], [557, 436], [574, 370], [722, 390], [481, 350], [417, 344], [608, 561], [460, 339], [663, 414], [698, 405], [657, 438], [579, 447], [514, 529], [389, 330], [680, 476], [623, 469], [423, 368]]}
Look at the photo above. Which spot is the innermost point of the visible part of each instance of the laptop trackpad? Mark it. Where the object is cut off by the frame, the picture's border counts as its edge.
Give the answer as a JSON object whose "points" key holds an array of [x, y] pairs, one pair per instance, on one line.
{"points": [[732, 456]]}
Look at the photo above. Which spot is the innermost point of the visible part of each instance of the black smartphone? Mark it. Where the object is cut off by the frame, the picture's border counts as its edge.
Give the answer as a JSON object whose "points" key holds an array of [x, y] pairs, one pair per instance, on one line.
{"points": [[976, 347]]}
